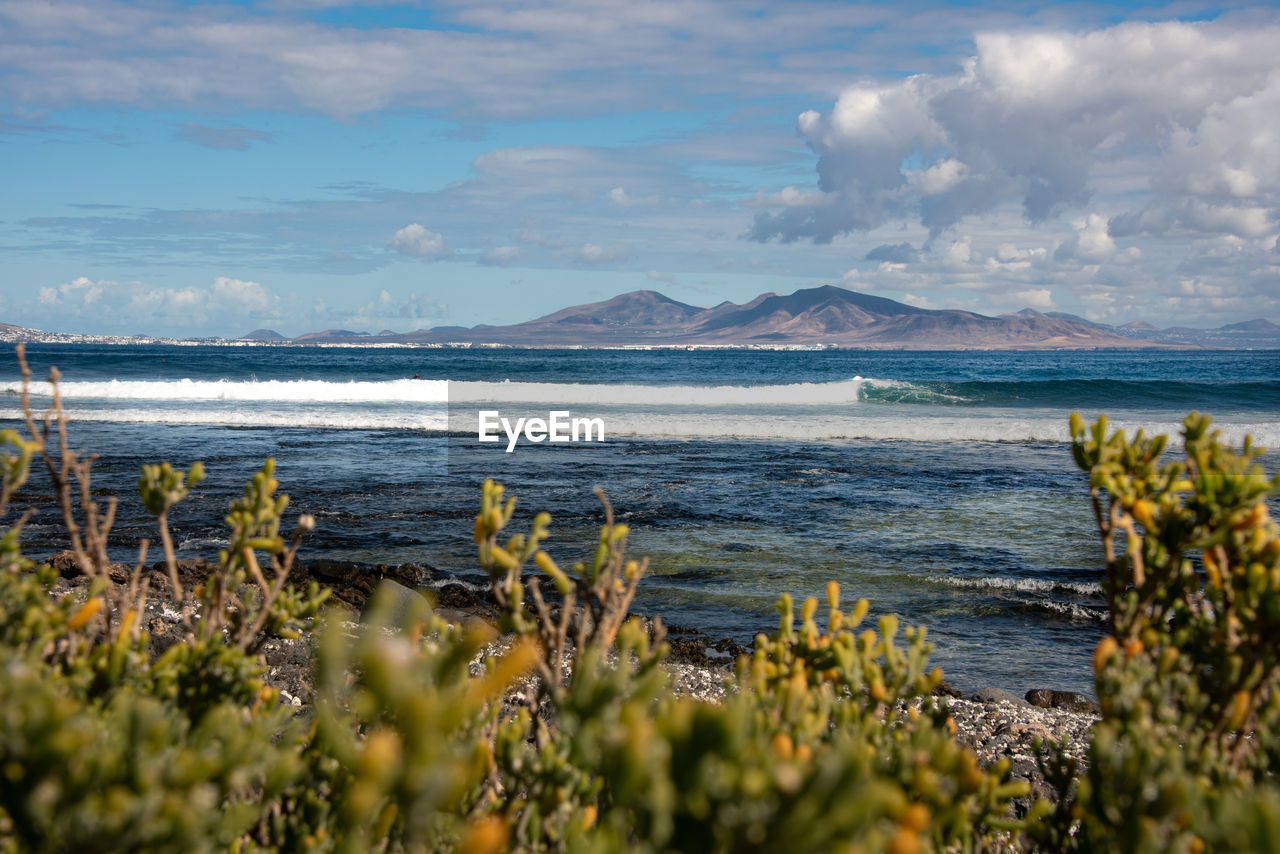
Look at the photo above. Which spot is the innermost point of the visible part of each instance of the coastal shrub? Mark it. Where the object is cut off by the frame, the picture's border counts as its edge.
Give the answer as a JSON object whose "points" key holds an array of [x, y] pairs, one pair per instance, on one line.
{"points": [[401, 744], [420, 736], [565, 735], [827, 738], [1185, 755], [103, 748]]}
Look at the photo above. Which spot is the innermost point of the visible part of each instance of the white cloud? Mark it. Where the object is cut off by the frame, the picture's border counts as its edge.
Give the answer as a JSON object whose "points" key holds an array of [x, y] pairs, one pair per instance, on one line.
{"points": [[1007, 253], [106, 305], [241, 295], [80, 291], [1033, 117], [959, 252], [1195, 217], [939, 177], [1090, 244], [396, 313], [420, 242], [1035, 298], [788, 197]]}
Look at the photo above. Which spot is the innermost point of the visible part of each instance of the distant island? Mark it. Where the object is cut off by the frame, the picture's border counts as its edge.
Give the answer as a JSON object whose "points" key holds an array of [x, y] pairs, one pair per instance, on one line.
{"points": [[821, 317]]}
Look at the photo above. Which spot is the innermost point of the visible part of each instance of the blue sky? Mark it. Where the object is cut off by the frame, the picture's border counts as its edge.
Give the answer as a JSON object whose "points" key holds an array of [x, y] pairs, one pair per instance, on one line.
{"points": [[210, 168]]}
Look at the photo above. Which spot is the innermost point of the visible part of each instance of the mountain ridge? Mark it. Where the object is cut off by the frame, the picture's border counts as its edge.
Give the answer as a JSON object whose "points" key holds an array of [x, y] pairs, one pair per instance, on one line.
{"points": [[823, 316], [826, 316]]}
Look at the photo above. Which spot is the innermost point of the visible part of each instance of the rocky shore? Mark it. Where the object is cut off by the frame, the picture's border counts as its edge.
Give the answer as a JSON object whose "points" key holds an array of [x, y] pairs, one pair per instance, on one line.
{"points": [[994, 724]]}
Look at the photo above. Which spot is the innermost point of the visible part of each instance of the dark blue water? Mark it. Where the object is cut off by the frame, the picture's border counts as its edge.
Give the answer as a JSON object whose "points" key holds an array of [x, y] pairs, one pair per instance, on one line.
{"points": [[1219, 381]]}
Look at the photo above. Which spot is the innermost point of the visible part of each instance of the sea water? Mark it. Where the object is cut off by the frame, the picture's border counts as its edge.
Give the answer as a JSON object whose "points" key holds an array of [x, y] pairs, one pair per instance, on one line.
{"points": [[938, 485]]}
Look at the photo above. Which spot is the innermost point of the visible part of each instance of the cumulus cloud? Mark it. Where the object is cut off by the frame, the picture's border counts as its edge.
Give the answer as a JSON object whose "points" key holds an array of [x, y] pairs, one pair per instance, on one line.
{"points": [[397, 313], [106, 305], [1033, 117], [1091, 243], [80, 291], [420, 242], [1195, 217], [241, 295], [1035, 297]]}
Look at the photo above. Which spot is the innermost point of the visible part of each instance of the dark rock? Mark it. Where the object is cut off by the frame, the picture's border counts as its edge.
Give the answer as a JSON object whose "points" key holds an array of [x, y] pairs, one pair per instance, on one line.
{"points": [[1042, 697], [190, 574], [289, 669], [1027, 769], [65, 563], [454, 594], [67, 566], [702, 651], [1066, 700], [162, 635], [353, 583], [285, 653], [995, 695], [944, 689], [1026, 732]]}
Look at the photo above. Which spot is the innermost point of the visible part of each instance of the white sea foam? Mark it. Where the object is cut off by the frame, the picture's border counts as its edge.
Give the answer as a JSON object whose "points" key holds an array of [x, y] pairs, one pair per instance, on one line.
{"points": [[351, 419], [1072, 610], [836, 393], [798, 411], [428, 391], [677, 425], [203, 543], [1026, 585], [1041, 587], [439, 583], [407, 391]]}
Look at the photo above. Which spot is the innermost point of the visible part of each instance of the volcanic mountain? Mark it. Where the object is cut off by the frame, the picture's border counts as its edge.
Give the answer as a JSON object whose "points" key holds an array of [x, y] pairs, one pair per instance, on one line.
{"points": [[826, 315], [263, 335]]}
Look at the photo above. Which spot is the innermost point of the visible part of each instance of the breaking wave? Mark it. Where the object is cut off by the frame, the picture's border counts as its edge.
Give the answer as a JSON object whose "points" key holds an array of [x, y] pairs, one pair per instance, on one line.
{"points": [[850, 409], [406, 391], [1026, 585]]}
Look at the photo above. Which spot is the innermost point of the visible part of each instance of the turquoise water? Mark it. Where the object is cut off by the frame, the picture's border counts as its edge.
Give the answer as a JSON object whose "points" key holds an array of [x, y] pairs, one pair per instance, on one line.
{"points": [[938, 485]]}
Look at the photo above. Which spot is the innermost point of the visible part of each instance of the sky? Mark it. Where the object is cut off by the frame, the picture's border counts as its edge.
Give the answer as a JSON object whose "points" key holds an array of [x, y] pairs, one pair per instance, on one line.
{"points": [[193, 169]]}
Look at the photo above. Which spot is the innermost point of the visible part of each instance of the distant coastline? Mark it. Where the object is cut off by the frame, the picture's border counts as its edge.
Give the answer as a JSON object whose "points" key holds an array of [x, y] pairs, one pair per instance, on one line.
{"points": [[821, 318]]}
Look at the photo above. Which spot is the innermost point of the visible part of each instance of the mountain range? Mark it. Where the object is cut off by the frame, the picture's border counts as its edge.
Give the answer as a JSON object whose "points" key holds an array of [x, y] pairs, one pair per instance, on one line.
{"points": [[1249, 335], [822, 316], [826, 316]]}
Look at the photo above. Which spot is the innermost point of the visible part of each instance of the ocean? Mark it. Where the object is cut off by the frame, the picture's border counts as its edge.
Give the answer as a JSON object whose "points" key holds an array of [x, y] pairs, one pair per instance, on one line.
{"points": [[939, 486]]}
